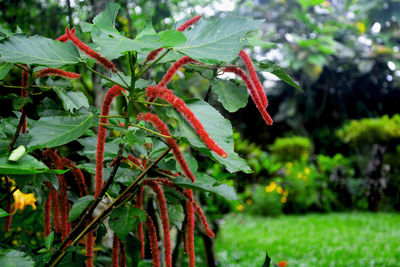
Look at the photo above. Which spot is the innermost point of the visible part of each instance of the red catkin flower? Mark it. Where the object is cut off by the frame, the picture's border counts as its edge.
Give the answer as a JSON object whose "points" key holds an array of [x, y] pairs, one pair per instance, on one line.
{"points": [[189, 23], [139, 204], [89, 51], [77, 173], [57, 72], [190, 230], [151, 231], [24, 93], [54, 206], [89, 249], [179, 105], [8, 209], [253, 75], [189, 197], [153, 54], [47, 216], [115, 251], [162, 205], [253, 93], [171, 71], [134, 160], [122, 254], [101, 137], [162, 128], [64, 38]]}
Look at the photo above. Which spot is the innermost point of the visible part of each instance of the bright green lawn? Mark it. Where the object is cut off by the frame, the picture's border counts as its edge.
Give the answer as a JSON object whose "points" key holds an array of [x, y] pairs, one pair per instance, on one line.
{"points": [[337, 239]]}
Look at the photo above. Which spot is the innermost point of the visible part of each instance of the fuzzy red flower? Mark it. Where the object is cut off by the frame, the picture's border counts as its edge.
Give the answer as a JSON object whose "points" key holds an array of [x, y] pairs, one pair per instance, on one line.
{"points": [[162, 128], [190, 230], [89, 248], [24, 93], [57, 72], [101, 137], [89, 51], [122, 254], [77, 173], [151, 231], [54, 206], [179, 105], [253, 75], [139, 204], [171, 71], [115, 251], [64, 38], [253, 93]]}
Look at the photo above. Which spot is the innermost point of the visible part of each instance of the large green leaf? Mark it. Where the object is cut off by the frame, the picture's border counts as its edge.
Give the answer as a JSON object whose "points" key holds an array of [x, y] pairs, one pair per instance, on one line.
{"points": [[219, 129], [72, 100], [38, 50], [79, 206], [58, 130], [15, 258], [272, 67], [111, 43], [217, 40], [26, 165], [4, 69], [124, 220], [3, 213], [231, 95], [206, 183]]}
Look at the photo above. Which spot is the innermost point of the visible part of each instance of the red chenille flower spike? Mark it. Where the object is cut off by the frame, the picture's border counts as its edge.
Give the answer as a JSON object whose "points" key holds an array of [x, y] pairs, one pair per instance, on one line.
{"points": [[122, 254], [101, 137], [162, 205], [179, 105], [253, 75], [171, 71], [162, 128], [24, 93], [89, 51], [190, 230], [115, 251], [77, 173], [64, 38], [57, 72], [139, 204], [89, 248], [151, 231], [256, 99], [54, 206]]}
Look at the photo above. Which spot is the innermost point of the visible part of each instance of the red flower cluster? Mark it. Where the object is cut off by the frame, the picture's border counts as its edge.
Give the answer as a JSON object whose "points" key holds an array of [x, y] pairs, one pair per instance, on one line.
{"points": [[115, 251], [64, 38], [24, 93], [156, 91], [89, 51], [171, 71], [151, 231], [57, 72]]}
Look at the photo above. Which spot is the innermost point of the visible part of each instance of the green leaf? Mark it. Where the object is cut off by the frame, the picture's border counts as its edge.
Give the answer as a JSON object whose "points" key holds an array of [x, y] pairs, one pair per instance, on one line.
{"points": [[100, 233], [48, 241], [15, 258], [176, 215], [172, 38], [38, 50], [219, 129], [58, 130], [26, 165], [206, 183], [217, 40], [258, 42], [123, 220], [272, 67], [111, 43], [3, 213], [4, 69], [72, 100], [79, 206], [231, 95]]}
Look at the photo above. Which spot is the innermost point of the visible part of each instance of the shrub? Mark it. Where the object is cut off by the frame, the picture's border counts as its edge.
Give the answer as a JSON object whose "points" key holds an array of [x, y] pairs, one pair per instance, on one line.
{"points": [[291, 148]]}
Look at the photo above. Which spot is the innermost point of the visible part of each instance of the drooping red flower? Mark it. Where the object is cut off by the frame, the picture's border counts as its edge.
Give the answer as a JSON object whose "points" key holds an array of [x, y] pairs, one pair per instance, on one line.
{"points": [[253, 75], [57, 72], [54, 206], [179, 105], [101, 137], [89, 51], [253, 93], [24, 93], [162, 205], [139, 204], [47, 216], [189, 23], [134, 160], [190, 230], [115, 251], [122, 254], [77, 173], [151, 231], [64, 38], [171, 71], [162, 128], [89, 248], [153, 54]]}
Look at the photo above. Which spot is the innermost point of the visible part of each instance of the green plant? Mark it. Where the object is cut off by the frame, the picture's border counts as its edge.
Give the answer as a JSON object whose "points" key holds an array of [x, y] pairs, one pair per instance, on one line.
{"points": [[294, 148]]}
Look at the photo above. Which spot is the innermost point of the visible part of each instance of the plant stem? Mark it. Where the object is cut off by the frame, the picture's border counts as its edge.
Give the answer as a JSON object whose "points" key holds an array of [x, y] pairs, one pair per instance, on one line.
{"points": [[16, 134], [143, 72], [117, 201], [151, 103], [104, 77], [138, 126]]}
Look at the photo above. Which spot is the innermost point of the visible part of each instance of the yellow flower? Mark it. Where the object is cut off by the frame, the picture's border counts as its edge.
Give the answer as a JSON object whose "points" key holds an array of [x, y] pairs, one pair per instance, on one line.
{"points": [[307, 171], [299, 175], [271, 187], [22, 200], [279, 190], [283, 200], [249, 201], [240, 207], [285, 193], [289, 165]]}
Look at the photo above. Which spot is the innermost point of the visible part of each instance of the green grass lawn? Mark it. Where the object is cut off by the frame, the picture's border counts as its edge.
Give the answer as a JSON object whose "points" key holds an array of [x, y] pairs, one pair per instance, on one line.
{"points": [[337, 239]]}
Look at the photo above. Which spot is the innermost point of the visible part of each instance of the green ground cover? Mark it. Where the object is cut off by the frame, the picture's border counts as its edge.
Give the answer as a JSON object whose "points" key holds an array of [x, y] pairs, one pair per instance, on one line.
{"points": [[337, 239]]}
